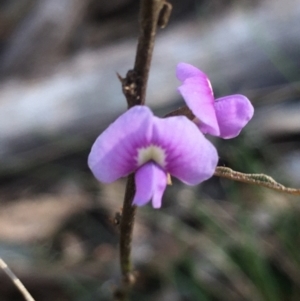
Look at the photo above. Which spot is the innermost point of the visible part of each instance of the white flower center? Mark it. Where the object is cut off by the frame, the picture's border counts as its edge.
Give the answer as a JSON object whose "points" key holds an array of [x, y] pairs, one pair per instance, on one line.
{"points": [[151, 152]]}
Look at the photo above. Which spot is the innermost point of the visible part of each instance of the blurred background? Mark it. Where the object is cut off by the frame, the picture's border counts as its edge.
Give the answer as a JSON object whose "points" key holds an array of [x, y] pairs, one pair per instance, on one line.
{"points": [[220, 241]]}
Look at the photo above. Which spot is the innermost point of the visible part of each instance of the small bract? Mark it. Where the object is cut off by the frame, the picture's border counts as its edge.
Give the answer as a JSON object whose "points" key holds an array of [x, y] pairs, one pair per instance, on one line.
{"points": [[152, 147], [224, 117]]}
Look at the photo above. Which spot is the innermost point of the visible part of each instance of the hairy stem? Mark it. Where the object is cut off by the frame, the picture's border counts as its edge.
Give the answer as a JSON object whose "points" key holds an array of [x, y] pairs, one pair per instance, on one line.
{"points": [[256, 179]]}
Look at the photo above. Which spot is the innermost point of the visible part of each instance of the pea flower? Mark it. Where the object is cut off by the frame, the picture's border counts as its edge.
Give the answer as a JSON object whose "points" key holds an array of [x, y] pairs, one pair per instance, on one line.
{"points": [[152, 147], [224, 117]]}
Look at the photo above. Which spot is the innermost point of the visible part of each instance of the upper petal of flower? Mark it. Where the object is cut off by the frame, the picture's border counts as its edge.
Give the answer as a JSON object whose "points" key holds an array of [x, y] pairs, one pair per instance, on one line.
{"points": [[150, 182], [233, 113], [198, 95], [184, 71], [189, 155], [114, 153]]}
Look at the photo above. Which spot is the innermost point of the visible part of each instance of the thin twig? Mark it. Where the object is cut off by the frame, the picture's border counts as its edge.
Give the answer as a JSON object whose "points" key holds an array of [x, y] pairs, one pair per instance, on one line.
{"points": [[257, 179], [17, 282], [153, 13], [182, 111]]}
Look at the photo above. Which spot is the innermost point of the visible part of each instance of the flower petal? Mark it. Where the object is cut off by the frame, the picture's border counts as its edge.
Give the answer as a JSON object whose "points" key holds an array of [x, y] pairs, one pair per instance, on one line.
{"points": [[184, 71], [198, 96], [114, 153], [233, 113], [150, 182], [189, 155]]}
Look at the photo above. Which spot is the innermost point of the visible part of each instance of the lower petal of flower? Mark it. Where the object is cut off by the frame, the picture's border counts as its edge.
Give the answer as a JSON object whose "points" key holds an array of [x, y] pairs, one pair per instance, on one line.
{"points": [[233, 113], [150, 182]]}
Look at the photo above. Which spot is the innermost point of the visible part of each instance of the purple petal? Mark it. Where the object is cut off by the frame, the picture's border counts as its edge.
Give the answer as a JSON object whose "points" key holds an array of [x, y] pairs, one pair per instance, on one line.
{"points": [[150, 182], [114, 153], [233, 113], [189, 155], [198, 96], [184, 71]]}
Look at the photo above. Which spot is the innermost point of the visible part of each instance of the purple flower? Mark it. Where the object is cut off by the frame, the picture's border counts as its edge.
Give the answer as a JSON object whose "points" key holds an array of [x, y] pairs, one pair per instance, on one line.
{"points": [[152, 147], [224, 117]]}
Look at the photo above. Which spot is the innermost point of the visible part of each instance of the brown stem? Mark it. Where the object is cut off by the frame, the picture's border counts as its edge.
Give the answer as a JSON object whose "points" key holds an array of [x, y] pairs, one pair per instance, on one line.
{"points": [[126, 226], [152, 13], [184, 111], [126, 229]]}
